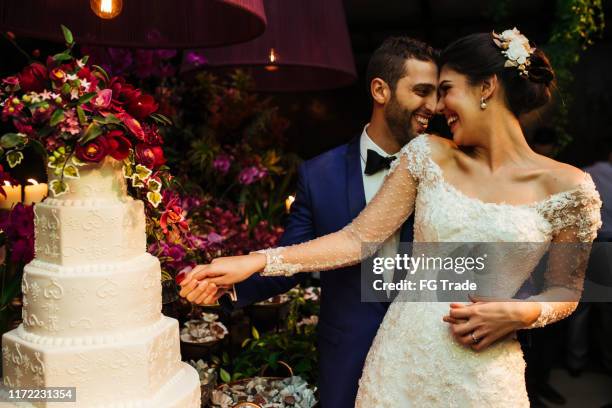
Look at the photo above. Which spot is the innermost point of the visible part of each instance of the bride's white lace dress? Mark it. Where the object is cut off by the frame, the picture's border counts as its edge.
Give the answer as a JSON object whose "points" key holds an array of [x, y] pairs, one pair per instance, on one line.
{"points": [[414, 360]]}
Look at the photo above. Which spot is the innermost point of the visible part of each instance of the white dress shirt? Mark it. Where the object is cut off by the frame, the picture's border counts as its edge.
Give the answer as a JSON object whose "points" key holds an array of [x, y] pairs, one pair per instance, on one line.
{"points": [[371, 185]]}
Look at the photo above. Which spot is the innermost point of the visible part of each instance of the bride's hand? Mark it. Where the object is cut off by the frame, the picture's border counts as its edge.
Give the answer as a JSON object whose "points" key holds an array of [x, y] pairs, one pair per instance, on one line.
{"points": [[481, 323], [223, 271]]}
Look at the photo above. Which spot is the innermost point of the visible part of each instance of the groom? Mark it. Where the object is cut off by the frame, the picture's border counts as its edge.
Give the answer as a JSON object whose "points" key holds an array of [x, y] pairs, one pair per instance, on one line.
{"points": [[332, 189]]}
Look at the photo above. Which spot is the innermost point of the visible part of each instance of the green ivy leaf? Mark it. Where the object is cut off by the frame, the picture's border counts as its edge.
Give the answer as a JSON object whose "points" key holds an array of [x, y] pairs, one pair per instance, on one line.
{"points": [[225, 377], [71, 171], [154, 198], [154, 185], [56, 117], [12, 140], [14, 157], [58, 187], [68, 37], [142, 172]]}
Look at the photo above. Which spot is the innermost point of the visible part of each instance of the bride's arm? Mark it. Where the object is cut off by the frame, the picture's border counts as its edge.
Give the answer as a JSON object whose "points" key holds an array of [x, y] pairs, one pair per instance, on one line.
{"points": [[385, 213], [389, 208], [568, 257]]}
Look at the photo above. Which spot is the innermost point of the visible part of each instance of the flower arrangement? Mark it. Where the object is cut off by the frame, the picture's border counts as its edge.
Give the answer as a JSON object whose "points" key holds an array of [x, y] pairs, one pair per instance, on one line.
{"points": [[75, 114], [516, 48]]}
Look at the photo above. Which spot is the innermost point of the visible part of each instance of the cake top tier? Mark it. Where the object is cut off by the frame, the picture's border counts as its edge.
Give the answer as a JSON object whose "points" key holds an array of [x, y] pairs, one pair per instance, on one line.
{"points": [[102, 181]]}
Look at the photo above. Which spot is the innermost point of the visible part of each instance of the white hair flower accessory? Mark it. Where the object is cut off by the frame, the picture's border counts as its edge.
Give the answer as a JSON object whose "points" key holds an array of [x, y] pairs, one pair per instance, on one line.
{"points": [[515, 47]]}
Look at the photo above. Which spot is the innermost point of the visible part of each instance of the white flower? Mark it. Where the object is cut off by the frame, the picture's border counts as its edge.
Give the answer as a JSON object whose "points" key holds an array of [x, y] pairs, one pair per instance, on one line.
{"points": [[516, 52]]}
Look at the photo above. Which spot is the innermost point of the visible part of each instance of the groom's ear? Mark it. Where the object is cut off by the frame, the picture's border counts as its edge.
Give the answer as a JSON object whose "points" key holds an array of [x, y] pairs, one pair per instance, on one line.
{"points": [[488, 87], [380, 91]]}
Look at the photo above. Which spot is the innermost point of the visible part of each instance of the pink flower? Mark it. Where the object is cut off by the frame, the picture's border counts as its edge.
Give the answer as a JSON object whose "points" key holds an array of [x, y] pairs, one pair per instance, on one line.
{"points": [[222, 163], [251, 174], [103, 99], [70, 124]]}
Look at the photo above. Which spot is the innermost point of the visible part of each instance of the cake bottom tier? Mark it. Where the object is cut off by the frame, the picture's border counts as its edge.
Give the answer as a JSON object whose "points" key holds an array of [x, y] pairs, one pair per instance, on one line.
{"points": [[140, 370]]}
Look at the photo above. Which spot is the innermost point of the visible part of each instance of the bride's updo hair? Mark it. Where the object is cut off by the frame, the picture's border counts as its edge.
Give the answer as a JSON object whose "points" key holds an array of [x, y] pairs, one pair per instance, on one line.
{"points": [[478, 57]]}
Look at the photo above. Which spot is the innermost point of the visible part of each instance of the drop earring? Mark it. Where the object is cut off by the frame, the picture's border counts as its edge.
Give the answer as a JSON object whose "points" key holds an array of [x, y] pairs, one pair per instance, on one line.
{"points": [[483, 104]]}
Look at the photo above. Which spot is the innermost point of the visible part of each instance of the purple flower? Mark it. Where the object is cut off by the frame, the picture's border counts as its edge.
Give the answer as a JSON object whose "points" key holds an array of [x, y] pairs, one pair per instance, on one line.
{"points": [[251, 174], [222, 163], [214, 238], [195, 59]]}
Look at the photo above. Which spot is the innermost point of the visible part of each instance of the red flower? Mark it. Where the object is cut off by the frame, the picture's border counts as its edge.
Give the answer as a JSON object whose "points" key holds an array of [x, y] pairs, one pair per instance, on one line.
{"points": [[33, 78], [142, 106], [151, 134], [132, 124], [123, 93], [173, 216], [118, 145], [150, 156], [93, 151]]}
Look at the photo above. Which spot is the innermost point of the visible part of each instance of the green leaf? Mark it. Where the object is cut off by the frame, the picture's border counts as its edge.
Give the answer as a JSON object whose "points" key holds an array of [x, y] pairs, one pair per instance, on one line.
{"points": [[58, 187], [154, 185], [255, 333], [86, 98], [11, 140], [154, 198], [14, 157], [57, 117], [225, 377], [142, 172], [226, 359], [92, 131], [67, 35], [62, 56], [245, 342], [81, 114], [71, 171], [102, 71], [108, 120], [215, 360]]}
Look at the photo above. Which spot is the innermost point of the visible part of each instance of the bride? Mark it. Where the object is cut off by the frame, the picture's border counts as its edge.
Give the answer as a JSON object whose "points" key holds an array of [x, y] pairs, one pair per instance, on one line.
{"points": [[486, 185]]}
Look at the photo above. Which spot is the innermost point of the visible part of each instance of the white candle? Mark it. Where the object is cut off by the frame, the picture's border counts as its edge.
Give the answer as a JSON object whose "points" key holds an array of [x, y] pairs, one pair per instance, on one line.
{"points": [[13, 196], [288, 202], [35, 193]]}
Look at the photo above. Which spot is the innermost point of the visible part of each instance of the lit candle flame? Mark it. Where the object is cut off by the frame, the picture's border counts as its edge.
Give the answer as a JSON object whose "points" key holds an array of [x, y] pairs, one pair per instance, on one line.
{"points": [[290, 199], [7, 183], [272, 56], [106, 6], [33, 181]]}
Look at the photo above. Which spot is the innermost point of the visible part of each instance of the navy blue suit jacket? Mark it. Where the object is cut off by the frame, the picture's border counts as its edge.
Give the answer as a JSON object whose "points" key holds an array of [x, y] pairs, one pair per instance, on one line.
{"points": [[330, 194]]}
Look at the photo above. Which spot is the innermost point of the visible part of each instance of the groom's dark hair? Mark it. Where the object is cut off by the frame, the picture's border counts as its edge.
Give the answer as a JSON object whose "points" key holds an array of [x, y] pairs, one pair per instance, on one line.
{"points": [[388, 62]]}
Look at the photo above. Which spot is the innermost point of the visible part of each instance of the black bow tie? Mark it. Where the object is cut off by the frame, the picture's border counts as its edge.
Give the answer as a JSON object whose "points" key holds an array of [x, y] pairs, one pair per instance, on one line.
{"points": [[376, 162]]}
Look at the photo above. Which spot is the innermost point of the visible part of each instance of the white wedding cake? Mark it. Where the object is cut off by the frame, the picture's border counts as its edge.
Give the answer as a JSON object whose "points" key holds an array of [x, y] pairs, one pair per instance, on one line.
{"points": [[92, 304]]}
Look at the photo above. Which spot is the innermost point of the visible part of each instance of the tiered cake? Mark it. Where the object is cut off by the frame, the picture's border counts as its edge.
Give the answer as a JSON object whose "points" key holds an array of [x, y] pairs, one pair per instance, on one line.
{"points": [[92, 304]]}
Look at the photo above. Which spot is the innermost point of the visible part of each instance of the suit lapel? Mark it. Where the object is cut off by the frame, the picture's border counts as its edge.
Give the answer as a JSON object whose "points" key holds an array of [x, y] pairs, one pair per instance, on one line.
{"points": [[354, 183]]}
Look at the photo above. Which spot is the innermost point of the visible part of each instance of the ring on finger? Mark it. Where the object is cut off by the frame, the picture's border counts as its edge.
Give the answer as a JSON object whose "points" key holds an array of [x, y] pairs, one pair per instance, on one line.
{"points": [[475, 339]]}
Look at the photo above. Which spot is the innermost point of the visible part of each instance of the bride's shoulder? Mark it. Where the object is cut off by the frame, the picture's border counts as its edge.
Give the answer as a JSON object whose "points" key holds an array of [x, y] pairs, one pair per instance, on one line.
{"points": [[560, 177], [437, 146]]}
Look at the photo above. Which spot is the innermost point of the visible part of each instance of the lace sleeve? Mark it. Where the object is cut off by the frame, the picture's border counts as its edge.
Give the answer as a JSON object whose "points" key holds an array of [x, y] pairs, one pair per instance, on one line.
{"points": [[385, 213], [575, 219]]}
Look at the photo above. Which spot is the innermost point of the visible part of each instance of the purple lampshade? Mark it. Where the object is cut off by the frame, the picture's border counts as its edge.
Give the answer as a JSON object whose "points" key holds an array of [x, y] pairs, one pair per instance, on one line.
{"points": [[305, 47], [141, 23]]}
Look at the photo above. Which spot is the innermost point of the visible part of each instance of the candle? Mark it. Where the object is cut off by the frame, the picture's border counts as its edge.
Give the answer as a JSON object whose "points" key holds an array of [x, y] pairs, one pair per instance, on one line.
{"points": [[13, 196], [35, 193], [288, 202]]}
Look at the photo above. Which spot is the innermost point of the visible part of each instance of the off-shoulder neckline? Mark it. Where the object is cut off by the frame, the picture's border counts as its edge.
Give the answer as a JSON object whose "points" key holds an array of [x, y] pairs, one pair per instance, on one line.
{"points": [[535, 204]]}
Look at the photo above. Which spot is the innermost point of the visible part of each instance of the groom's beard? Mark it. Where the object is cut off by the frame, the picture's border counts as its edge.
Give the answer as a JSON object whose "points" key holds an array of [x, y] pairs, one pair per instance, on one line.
{"points": [[399, 120]]}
